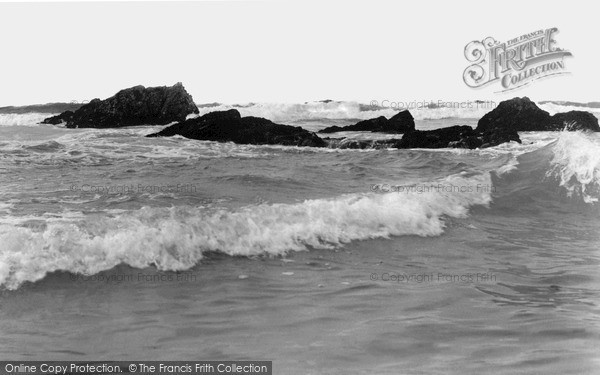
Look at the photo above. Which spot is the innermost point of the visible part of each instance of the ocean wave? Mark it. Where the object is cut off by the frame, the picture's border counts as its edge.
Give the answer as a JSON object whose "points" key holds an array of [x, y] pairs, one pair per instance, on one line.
{"points": [[91, 146], [348, 110], [290, 112], [576, 164], [554, 108], [176, 238], [564, 173], [23, 119], [325, 110], [512, 165]]}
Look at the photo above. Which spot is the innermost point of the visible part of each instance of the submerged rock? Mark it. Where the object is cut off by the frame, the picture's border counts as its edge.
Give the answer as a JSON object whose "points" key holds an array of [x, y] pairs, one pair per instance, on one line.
{"points": [[458, 136], [401, 122], [230, 126], [133, 106], [521, 114], [360, 144]]}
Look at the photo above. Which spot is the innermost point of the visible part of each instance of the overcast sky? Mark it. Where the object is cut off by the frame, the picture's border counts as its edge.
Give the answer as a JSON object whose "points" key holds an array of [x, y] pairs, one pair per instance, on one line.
{"points": [[281, 51]]}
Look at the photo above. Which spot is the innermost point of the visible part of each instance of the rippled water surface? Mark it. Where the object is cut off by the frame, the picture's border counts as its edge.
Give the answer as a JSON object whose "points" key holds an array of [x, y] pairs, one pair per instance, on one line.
{"points": [[325, 261]]}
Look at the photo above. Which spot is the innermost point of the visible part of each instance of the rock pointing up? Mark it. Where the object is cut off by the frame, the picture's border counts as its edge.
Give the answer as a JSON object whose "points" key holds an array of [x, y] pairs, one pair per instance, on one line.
{"points": [[521, 114], [133, 106]]}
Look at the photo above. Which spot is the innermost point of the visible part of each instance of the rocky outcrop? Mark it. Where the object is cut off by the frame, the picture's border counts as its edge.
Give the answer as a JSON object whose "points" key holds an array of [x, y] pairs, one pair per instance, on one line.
{"points": [[496, 136], [438, 138], [230, 126], [521, 114], [401, 122], [575, 120], [133, 106], [458, 136]]}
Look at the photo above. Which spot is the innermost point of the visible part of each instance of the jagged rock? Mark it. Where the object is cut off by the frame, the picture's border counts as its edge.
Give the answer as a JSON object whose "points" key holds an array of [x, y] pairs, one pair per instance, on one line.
{"points": [[230, 126], [521, 114], [401, 122], [133, 106]]}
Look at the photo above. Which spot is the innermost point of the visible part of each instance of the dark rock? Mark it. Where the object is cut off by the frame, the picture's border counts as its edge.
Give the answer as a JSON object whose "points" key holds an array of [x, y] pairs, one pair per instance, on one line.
{"points": [[372, 125], [402, 122], [133, 106], [438, 138], [468, 141], [521, 114], [230, 126], [575, 120], [494, 137], [64, 117], [458, 136], [332, 129]]}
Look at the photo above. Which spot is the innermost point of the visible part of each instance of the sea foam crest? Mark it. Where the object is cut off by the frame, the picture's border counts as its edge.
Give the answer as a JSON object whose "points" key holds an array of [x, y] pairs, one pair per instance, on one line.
{"points": [[333, 110], [576, 165], [289, 112], [176, 238], [23, 119]]}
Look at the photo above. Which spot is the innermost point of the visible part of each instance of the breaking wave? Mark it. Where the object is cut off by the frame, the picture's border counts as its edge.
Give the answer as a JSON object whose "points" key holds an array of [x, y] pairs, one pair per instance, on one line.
{"points": [[176, 238], [23, 119], [576, 165]]}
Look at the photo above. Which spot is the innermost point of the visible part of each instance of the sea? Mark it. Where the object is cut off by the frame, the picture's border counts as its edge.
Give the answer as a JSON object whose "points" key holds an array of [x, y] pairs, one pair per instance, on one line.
{"points": [[114, 246]]}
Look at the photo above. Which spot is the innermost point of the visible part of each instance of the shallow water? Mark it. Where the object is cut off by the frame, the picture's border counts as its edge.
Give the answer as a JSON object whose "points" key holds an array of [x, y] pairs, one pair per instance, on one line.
{"points": [[299, 255]]}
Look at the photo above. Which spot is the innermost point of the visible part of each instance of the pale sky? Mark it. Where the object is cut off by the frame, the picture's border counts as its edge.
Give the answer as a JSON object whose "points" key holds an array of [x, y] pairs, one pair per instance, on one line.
{"points": [[281, 51]]}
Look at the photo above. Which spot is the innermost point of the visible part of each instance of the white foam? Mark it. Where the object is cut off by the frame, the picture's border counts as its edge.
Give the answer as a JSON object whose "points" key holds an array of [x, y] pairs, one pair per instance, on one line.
{"points": [[284, 113], [176, 238], [334, 110], [23, 119], [512, 165], [576, 163], [554, 108]]}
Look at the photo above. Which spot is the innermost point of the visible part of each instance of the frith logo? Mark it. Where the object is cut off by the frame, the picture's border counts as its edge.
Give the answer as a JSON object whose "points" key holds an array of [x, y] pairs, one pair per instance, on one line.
{"points": [[514, 63]]}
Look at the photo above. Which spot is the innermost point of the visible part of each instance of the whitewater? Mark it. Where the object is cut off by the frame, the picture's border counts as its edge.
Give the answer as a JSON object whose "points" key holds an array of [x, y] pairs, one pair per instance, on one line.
{"points": [[294, 243]]}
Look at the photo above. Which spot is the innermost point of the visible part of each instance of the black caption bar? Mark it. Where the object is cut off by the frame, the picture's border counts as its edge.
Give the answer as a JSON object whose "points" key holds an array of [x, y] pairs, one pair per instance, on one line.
{"points": [[136, 368]]}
